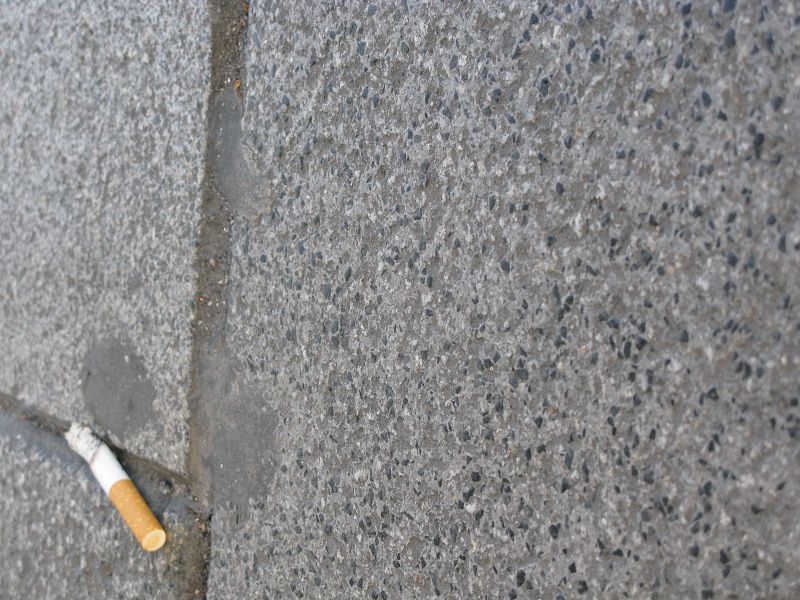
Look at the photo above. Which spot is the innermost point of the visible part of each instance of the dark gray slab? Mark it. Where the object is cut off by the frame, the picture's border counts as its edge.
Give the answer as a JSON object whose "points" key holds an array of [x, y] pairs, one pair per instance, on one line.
{"points": [[102, 124], [518, 289], [62, 538]]}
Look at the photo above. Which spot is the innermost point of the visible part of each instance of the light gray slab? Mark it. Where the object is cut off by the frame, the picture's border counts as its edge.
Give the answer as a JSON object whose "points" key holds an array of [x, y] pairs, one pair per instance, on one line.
{"points": [[514, 300], [62, 538], [102, 117]]}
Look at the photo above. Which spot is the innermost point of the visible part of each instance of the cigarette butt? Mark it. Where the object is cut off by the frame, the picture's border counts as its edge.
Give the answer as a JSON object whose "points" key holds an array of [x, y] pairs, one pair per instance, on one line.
{"points": [[118, 486], [137, 515]]}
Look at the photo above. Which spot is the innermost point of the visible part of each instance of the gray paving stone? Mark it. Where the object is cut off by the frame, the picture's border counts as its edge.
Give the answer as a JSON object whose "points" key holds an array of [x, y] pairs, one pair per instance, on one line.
{"points": [[62, 538], [102, 118], [516, 289]]}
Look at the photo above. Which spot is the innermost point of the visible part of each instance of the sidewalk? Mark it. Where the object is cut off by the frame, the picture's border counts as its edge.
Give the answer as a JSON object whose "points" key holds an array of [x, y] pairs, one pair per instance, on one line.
{"points": [[403, 300]]}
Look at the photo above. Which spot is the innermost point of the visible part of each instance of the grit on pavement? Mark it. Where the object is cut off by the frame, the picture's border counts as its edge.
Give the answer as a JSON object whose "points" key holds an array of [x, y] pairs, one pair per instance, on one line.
{"points": [[404, 300]]}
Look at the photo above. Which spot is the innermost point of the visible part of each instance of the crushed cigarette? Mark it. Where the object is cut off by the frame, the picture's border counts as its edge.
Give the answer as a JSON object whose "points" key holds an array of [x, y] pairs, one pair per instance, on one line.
{"points": [[118, 486]]}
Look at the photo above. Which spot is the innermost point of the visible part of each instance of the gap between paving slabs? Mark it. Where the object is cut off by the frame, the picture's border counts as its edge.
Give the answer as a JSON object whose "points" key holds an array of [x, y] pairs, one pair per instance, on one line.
{"points": [[209, 366]]}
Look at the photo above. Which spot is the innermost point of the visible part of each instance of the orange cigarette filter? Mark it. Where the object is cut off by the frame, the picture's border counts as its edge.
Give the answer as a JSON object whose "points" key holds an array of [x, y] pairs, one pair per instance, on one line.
{"points": [[118, 486]]}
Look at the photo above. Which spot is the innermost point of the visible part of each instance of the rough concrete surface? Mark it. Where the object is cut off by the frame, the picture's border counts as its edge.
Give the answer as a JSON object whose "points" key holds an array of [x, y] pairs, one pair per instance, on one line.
{"points": [[62, 538], [491, 299], [102, 124], [516, 286]]}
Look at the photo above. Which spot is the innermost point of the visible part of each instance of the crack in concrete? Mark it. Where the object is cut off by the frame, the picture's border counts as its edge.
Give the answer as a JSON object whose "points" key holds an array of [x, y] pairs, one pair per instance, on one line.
{"points": [[213, 250], [213, 257], [11, 406]]}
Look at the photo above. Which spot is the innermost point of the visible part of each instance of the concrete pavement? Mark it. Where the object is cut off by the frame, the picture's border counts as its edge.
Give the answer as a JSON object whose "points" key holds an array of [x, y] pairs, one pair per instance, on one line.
{"points": [[512, 304], [493, 301], [102, 117]]}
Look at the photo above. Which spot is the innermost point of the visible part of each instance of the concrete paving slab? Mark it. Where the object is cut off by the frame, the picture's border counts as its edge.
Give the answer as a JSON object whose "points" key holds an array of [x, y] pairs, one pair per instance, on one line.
{"points": [[513, 293], [102, 123], [62, 538]]}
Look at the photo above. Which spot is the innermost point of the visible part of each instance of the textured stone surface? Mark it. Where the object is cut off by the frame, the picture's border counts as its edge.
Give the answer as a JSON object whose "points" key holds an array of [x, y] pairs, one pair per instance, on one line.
{"points": [[102, 126], [62, 538], [518, 289]]}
